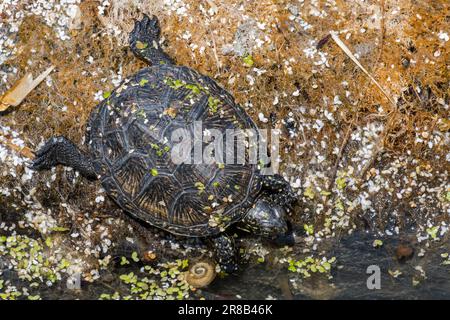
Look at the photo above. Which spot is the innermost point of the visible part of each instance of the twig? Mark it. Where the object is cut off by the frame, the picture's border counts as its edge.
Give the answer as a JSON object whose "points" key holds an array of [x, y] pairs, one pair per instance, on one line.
{"points": [[353, 58], [383, 32], [339, 156], [15, 95]]}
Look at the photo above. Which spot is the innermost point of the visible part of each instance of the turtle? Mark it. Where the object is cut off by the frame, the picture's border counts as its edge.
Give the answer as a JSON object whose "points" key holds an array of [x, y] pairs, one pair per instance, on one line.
{"points": [[129, 137]]}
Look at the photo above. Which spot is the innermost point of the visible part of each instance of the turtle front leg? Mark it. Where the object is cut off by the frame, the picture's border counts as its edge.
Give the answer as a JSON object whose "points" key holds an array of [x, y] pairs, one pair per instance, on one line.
{"points": [[144, 41], [225, 251], [279, 190], [60, 150]]}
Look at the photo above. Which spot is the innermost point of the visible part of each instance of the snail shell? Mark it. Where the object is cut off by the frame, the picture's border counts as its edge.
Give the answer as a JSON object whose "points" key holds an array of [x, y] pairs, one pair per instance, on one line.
{"points": [[201, 274], [149, 256]]}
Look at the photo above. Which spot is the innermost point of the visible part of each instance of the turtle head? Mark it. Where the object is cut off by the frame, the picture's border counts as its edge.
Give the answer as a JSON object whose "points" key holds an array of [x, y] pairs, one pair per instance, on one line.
{"points": [[268, 220]]}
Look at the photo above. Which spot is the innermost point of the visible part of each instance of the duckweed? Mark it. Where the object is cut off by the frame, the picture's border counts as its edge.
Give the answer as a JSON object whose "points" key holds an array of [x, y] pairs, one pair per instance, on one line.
{"points": [[377, 243], [200, 187], [213, 104], [124, 261], [164, 282], [174, 84], [309, 193], [160, 151], [134, 256], [340, 183], [309, 228], [311, 265], [29, 259], [446, 258], [141, 45], [248, 60], [432, 232]]}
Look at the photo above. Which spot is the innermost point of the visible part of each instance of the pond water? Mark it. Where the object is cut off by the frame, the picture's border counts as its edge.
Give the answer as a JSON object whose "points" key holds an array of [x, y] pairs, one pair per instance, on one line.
{"points": [[354, 255], [421, 277]]}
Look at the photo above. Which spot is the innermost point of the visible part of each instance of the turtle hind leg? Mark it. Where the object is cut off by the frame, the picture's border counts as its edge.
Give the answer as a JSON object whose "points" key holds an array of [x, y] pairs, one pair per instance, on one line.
{"points": [[225, 251], [144, 41], [60, 150]]}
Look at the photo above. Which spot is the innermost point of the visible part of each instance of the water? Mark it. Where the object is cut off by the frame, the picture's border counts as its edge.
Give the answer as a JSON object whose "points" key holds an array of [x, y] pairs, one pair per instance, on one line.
{"points": [[421, 277], [354, 254]]}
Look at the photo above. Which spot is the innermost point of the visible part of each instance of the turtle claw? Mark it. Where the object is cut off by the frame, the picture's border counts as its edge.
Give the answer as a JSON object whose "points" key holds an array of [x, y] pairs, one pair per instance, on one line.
{"points": [[144, 41], [46, 156], [146, 31], [59, 150]]}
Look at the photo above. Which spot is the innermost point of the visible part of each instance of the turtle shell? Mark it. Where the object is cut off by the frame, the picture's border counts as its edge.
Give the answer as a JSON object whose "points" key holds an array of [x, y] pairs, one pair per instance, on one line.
{"points": [[131, 142]]}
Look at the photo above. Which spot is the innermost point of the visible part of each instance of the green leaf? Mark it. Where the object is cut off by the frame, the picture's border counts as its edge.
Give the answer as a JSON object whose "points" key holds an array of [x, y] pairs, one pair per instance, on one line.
{"points": [[194, 88], [143, 82], [213, 104], [309, 193], [135, 256], [339, 205], [124, 261], [59, 229], [432, 232], [292, 269], [309, 229], [248, 60], [141, 45], [106, 94], [177, 84], [377, 243], [64, 264], [200, 186], [49, 242], [340, 182]]}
